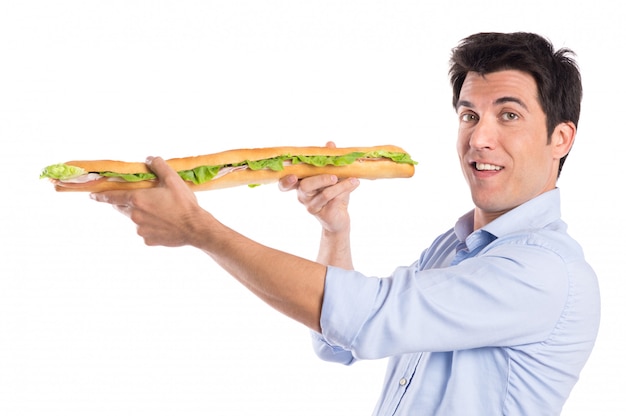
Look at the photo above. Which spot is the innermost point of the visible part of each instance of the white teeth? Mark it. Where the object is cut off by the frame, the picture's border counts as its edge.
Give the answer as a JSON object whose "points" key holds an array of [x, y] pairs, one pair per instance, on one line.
{"points": [[487, 166]]}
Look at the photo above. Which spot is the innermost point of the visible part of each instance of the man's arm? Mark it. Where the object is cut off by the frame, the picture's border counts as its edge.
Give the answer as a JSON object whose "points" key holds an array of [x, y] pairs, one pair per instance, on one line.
{"points": [[327, 199], [169, 215]]}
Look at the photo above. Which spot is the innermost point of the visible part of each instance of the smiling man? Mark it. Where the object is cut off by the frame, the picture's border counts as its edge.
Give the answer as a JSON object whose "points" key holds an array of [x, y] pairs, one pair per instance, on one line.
{"points": [[499, 315]]}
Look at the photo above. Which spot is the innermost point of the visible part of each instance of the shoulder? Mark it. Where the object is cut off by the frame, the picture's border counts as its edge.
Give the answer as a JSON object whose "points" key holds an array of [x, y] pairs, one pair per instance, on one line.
{"points": [[552, 239]]}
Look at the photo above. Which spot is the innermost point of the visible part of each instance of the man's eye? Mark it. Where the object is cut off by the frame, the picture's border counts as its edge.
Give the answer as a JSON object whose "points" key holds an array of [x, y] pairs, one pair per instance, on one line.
{"points": [[468, 117], [509, 116]]}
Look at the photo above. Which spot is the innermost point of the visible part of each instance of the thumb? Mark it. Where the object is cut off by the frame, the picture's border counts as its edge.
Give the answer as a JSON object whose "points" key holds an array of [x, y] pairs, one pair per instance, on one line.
{"points": [[161, 169]]}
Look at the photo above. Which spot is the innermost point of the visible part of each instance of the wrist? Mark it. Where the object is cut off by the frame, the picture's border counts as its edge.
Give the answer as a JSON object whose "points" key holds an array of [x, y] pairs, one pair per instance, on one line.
{"points": [[335, 249], [201, 229]]}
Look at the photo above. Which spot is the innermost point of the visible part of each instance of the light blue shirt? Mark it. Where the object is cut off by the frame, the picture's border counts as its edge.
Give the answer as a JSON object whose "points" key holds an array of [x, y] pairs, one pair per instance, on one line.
{"points": [[498, 321]]}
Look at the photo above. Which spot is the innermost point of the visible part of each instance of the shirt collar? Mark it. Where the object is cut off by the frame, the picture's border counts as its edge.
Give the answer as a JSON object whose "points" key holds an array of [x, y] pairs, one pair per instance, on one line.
{"points": [[536, 213]]}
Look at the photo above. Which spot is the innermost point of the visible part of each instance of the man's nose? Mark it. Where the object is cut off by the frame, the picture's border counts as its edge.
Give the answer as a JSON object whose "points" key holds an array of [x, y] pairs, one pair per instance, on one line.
{"points": [[484, 134]]}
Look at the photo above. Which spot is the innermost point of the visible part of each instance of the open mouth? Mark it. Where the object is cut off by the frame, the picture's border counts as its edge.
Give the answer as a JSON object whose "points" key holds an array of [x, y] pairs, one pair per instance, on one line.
{"points": [[486, 167]]}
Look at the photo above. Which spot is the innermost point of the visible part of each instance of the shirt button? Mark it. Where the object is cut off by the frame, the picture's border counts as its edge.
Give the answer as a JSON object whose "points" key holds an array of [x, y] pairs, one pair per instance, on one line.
{"points": [[403, 381]]}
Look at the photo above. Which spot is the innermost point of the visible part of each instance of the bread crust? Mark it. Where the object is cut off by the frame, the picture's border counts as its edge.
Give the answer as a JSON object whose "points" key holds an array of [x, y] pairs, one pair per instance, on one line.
{"points": [[364, 169], [110, 166]]}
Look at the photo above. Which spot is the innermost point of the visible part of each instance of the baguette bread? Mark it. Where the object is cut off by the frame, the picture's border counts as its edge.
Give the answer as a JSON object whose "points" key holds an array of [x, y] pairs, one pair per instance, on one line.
{"points": [[374, 168]]}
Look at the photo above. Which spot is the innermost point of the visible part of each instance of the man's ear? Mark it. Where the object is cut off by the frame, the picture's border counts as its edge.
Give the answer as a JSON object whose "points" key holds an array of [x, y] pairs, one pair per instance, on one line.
{"points": [[562, 139]]}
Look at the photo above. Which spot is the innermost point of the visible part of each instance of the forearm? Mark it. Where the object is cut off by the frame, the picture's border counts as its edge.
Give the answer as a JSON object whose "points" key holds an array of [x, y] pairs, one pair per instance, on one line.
{"points": [[290, 284]]}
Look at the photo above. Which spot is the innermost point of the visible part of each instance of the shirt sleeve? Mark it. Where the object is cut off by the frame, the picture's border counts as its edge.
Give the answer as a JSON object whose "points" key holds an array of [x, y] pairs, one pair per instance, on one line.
{"points": [[330, 353], [512, 294]]}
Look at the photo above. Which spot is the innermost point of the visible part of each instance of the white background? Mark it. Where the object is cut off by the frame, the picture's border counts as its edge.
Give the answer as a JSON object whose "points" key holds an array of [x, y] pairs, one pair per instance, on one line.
{"points": [[92, 322]]}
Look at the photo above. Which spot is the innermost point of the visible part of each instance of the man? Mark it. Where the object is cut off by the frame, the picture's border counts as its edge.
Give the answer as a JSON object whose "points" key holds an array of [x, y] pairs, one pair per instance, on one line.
{"points": [[499, 315]]}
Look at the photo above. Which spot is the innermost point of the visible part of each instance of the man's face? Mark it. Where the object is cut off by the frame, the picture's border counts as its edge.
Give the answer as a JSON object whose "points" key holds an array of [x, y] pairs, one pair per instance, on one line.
{"points": [[503, 142]]}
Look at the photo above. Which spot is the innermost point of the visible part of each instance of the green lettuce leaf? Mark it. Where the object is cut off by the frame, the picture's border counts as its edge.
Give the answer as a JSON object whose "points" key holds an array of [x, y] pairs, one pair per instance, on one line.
{"points": [[321, 160], [274, 163], [129, 177], [61, 171], [200, 174], [397, 157]]}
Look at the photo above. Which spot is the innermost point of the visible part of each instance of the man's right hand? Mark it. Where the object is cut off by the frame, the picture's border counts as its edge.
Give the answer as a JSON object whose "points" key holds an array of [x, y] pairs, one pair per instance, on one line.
{"points": [[325, 197]]}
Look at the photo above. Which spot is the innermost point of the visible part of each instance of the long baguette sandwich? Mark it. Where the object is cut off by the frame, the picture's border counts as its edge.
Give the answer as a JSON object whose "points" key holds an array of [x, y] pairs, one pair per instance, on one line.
{"points": [[236, 167]]}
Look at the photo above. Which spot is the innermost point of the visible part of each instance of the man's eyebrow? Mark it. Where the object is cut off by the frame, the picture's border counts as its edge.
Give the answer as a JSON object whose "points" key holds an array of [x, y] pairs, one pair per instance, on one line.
{"points": [[501, 100], [464, 103], [504, 100]]}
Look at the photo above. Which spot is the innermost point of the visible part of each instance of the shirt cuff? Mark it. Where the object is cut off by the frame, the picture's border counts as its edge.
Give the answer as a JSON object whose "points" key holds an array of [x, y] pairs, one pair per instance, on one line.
{"points": [[349, 298]]}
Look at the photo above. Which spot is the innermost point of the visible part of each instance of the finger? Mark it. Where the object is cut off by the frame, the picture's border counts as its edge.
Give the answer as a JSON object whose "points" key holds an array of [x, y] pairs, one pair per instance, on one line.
{"points": [[330, 196], [124, 209], [331, 145], [165, 173], [314, 184], [287, 183], [319, 200], [120, 198]]}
